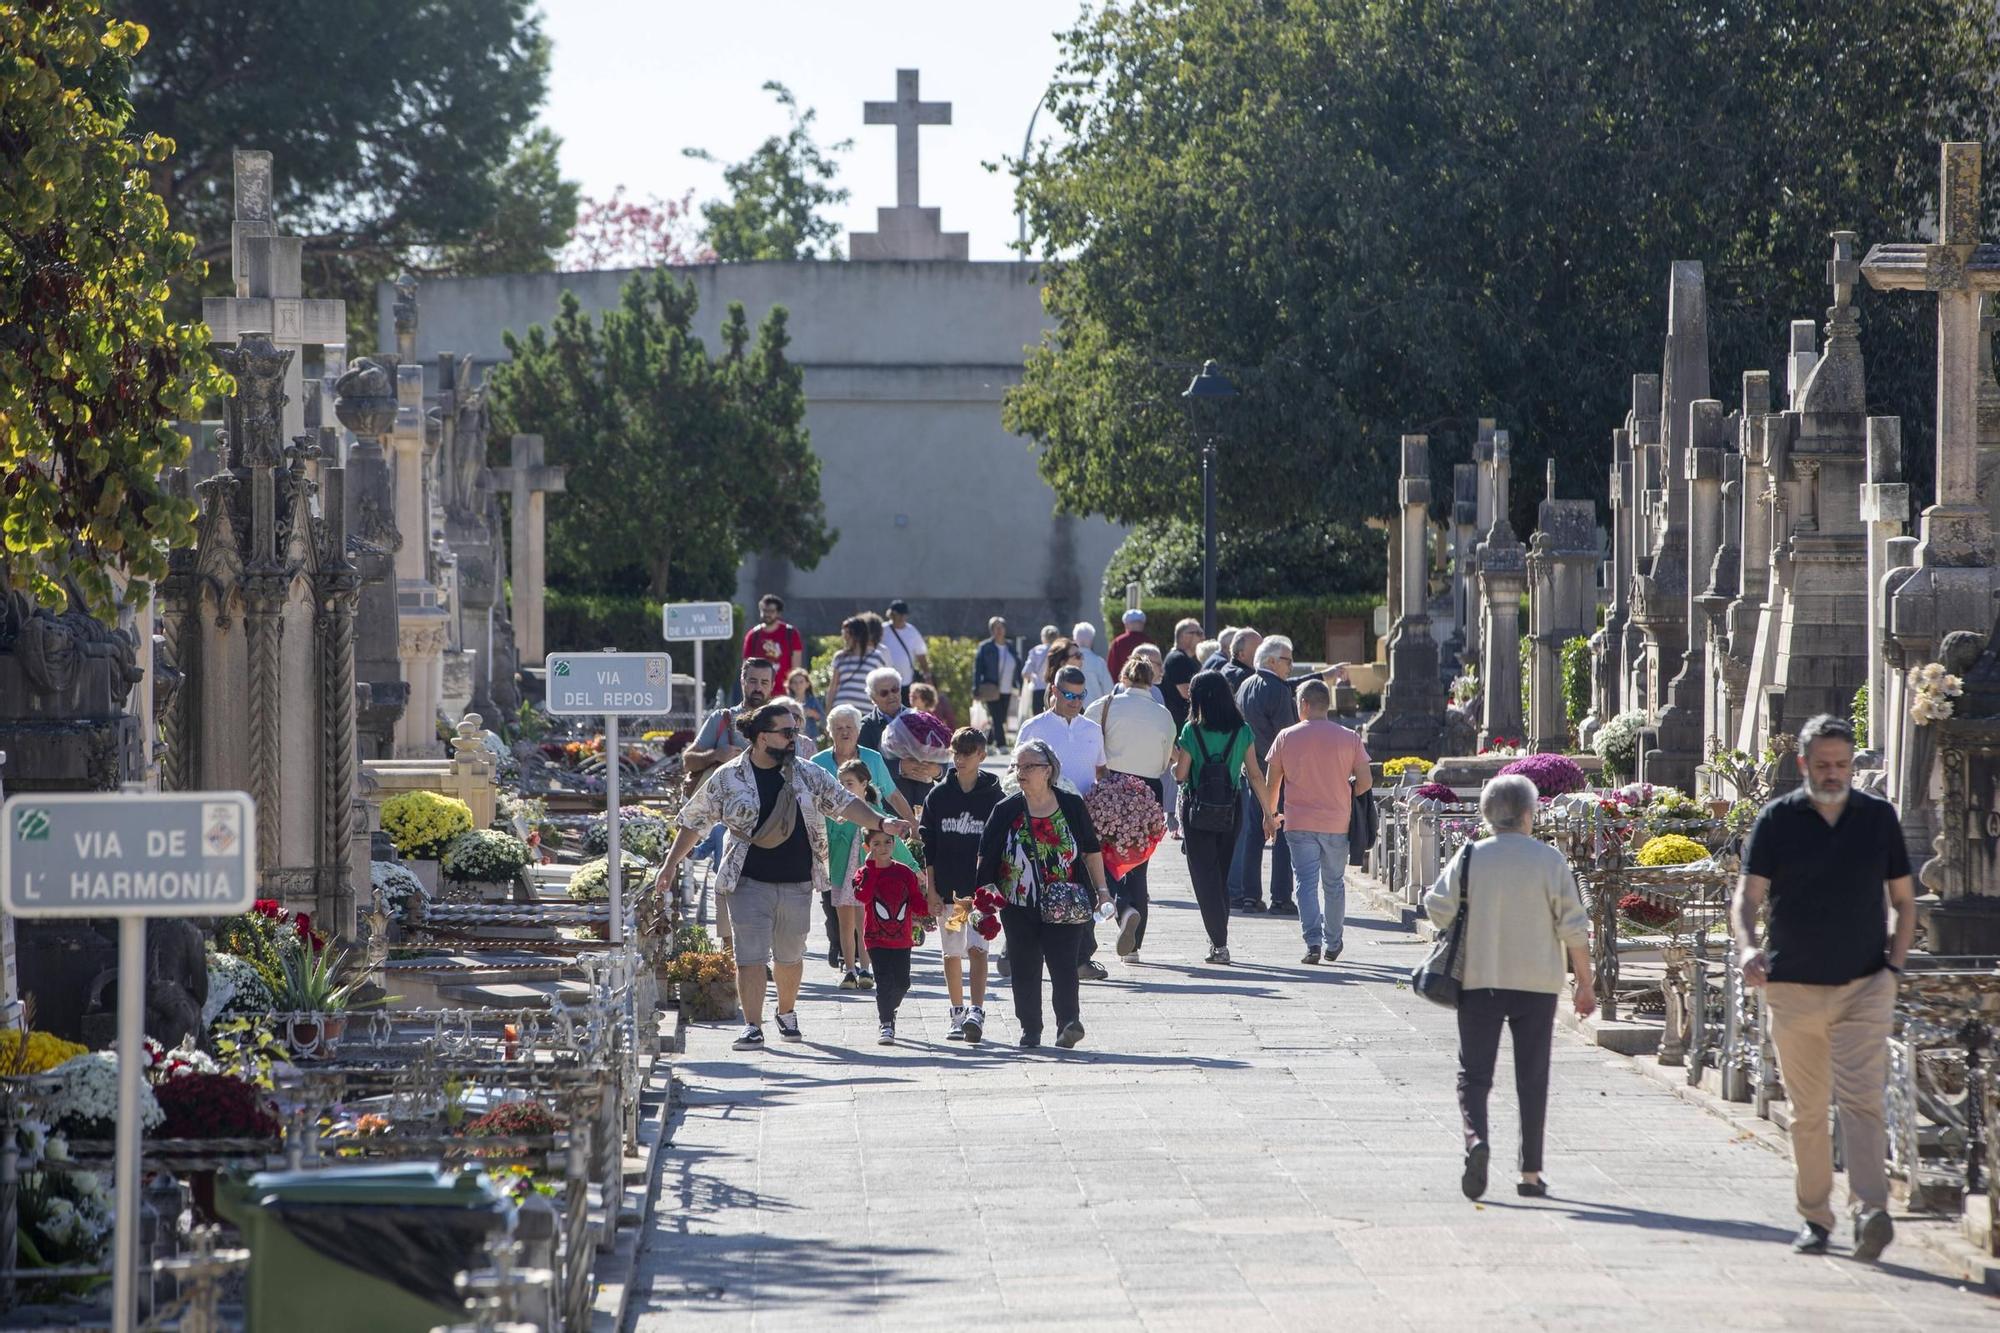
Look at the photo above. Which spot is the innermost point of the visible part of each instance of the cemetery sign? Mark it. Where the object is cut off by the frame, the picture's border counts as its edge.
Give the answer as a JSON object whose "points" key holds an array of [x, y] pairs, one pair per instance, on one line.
{"points": [[78, 854], [600, 684]]}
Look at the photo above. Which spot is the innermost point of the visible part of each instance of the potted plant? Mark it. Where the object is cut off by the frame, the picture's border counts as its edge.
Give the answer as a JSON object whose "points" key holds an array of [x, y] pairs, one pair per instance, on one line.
{"points": [[705, 984], [488, 859], [422, 824], [309, 987], [202, 1105]]}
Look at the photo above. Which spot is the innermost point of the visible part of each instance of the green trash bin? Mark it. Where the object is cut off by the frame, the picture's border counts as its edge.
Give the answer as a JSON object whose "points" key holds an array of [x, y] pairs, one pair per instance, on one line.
{"points": [[362, 1249]]}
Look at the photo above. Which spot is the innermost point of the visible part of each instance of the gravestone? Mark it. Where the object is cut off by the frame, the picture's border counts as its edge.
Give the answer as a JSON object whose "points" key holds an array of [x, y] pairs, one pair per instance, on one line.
{"points": [[1682, 731], [909, 230], [259, 619], [422, 621], [459, 422], [1642, 427], [1464, 535], [1951, 588], [1720, 588], [1669, 752], [1562, 604], [527, 483], [366, 405], [1607, 643], [1503, 577], [1744, 614], [1413, 700], [1885, 508]]}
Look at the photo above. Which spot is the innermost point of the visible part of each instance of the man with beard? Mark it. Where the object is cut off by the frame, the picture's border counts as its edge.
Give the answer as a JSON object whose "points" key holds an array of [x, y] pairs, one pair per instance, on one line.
{"points": [[773, 811], [1828, 860]]}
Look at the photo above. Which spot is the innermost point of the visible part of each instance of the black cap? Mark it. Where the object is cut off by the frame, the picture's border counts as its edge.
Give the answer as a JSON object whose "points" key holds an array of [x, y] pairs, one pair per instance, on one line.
{"points": [[899, 607]]}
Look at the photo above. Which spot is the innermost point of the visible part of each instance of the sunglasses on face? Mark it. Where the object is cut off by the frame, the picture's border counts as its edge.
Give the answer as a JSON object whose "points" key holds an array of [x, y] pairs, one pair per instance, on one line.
{"points": [[786, 732], [1071, 695]]}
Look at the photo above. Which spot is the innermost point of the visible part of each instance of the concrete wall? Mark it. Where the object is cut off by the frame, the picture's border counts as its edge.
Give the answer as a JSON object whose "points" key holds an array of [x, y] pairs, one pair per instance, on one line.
{"points": [[905, 364]]}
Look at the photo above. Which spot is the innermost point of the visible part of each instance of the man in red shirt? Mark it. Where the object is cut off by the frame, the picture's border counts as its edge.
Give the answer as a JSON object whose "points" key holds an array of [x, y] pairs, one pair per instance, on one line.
{"points": [[774, 640], [1122, 646]]}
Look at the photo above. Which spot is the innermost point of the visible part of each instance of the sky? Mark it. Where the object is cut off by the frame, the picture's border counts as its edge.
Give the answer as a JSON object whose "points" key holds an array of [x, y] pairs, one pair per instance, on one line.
{"points": [[632, 83]]}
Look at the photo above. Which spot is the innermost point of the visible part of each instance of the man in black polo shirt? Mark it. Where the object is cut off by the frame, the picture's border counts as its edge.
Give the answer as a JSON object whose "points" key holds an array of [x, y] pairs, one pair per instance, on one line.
{"points": [[1823, 856]]}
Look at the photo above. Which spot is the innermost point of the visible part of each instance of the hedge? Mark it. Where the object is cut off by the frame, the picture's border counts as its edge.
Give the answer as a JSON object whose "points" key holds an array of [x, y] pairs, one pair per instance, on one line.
{"points": [[1300, 619], [584, 622]]}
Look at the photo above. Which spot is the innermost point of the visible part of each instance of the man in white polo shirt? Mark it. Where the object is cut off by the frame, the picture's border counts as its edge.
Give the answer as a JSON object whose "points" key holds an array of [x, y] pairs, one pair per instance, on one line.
{"points": [[903, 644], [1079, 746]]}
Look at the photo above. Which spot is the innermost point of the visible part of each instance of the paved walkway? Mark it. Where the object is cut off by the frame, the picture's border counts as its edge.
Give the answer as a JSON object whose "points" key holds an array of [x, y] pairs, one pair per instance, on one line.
{"points": [[1268, 1145]]}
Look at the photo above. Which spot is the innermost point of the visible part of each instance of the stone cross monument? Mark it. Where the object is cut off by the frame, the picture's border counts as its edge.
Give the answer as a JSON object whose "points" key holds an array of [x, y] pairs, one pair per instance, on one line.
{"points": [[1952, 586], [909, 230], [1562, 604], [270, 294], [1503, 577]]}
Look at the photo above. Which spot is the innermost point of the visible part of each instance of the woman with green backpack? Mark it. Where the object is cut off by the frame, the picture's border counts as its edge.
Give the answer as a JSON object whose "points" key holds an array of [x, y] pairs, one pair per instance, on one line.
{"points": [[1213, 758]]}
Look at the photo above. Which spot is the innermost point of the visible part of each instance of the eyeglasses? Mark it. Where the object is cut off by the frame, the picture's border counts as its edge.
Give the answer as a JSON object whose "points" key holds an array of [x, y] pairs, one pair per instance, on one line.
{"points": [[888, 690], [1071, 695], [1026, 768], [786, 732]]}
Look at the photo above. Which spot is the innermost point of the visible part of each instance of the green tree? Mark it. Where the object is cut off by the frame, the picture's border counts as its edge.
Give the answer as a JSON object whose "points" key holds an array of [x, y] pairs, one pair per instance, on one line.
{"points": [[679, 463], [401, 133], [1402, 217], [776, 194], [92, 374]]}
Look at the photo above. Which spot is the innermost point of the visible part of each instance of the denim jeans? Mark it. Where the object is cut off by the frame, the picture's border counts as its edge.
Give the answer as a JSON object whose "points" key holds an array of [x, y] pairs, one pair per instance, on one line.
{"points": [[1319, 864], [1246, 866]]}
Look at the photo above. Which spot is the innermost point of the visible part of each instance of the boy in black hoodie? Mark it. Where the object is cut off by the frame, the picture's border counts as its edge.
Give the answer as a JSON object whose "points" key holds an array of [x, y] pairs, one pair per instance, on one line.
{"points": [[954, 818]]}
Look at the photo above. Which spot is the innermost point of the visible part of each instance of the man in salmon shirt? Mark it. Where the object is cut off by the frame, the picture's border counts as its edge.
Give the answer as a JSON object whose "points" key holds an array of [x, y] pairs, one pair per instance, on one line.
{"points": [[1322, 767], [774, 640]]}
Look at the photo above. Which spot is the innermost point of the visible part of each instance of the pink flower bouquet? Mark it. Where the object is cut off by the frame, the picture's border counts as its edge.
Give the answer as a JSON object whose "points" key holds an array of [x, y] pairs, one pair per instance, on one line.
{"points": [[1129, 821]]}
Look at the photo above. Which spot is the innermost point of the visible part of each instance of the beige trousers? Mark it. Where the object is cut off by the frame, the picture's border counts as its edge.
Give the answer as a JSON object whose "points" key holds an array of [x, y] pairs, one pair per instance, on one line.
{"points": [[1833, 1049]]}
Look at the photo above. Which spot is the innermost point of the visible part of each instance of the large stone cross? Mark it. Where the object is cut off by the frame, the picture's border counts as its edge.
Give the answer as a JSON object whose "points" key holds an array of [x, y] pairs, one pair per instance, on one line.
{"points": [[270, 291], [1960, 270], [906, 113], [526, 483]]}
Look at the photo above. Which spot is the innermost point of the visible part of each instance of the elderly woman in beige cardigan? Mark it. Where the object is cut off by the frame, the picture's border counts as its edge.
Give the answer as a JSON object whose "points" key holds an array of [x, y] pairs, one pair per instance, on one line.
{"points": [[1525, 914]]}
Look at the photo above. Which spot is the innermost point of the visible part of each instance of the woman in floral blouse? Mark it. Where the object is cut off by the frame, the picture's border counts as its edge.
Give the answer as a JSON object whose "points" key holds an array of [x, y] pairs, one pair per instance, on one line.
{"points": [[1039, 845]]}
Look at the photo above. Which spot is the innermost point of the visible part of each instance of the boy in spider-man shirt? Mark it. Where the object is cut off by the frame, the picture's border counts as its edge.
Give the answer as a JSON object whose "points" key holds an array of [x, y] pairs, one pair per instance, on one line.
{"points": [[892, 900]]}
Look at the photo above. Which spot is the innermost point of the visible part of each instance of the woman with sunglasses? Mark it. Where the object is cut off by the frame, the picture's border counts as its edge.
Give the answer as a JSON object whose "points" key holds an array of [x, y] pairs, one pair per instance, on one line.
{"points": [[1040, 853]]}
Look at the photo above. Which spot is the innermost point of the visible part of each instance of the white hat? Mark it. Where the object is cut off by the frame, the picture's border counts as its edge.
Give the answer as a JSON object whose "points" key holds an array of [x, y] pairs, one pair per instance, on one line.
{"points": [[1134, 617]]}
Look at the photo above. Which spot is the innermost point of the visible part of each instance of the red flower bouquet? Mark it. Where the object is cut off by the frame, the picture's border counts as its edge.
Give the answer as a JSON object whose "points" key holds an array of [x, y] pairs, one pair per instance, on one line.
{"points": [[1128, 819], [1643, 911], [987, 904], [214, 1106]]}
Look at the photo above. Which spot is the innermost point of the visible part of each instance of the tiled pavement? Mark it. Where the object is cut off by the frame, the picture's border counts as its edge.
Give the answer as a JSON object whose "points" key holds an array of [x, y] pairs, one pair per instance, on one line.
{"points": [[1260, 1146]]}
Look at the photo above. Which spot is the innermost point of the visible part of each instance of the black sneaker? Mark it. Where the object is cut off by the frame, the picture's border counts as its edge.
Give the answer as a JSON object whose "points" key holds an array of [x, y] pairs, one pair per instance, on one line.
{"points": [[1810, 1240], [751, 1040], [833, 959], [1254, 906], [1473, 1182], [1312, 954], [1091, 970], [1284, 909], [1872, 1233], [788, 1027], [1071, 1034], [1333, 955], [1030, 1040]]}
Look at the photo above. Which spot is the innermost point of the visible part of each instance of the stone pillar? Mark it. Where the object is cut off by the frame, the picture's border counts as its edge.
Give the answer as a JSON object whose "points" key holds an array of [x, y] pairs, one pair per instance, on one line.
{"points": [[1413, 700], [1885, 508], [1608, 643], [421, 630], [1464, 534], [1647, 479], [366, 405], [1482, 519], [1724, 579], [1561, 606], [339, 589], [528, 483]]}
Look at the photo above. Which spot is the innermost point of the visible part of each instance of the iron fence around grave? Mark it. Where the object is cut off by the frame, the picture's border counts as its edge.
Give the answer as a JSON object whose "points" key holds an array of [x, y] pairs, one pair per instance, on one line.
{"points": [[1940, 1073]]}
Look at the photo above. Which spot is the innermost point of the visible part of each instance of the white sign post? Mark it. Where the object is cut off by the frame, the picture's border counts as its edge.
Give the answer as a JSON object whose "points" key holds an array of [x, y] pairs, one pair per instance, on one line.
{"points": [[129, 856], [698, 623], [614, 685]]}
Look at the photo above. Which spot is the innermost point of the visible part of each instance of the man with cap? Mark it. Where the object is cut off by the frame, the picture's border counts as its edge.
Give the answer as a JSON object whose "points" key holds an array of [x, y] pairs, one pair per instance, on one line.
{"points": [[903, 644], [1121, 647]]}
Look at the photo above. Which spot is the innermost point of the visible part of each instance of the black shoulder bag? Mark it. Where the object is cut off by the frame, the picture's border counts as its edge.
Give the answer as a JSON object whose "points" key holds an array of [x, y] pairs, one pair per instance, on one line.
{"points": [[1438, 978]]}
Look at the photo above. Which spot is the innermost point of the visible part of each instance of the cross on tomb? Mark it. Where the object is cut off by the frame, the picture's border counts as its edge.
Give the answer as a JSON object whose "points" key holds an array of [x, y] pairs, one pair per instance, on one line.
{"points": [[270, 291], [906, 113], [1960, 270], [526, 483]]}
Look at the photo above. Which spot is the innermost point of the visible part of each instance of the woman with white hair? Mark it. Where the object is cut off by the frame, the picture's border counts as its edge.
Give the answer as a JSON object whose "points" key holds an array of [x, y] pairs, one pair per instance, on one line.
{"points": [[1040, 853], [843, 743], [1522, 914], [1097, 682]]}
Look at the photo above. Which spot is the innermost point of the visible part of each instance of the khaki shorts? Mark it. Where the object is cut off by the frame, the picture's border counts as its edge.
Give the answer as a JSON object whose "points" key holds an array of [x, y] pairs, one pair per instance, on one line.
{"points": [[771, 921]]}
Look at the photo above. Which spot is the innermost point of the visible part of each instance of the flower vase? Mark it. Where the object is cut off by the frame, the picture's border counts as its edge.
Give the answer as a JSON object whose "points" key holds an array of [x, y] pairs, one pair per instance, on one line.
{"points": [[428, 874], [317, 1038]]}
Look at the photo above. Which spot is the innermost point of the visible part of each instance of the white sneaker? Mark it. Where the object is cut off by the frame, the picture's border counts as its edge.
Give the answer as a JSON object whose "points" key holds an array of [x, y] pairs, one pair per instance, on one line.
{"points": [[1128, 932], [974, 1026], [887, 1037], [957, 1032]]}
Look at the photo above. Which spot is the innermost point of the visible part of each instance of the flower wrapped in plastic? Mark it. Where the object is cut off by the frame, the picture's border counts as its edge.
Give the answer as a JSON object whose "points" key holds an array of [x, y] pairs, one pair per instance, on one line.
{"points": [[987, 904], [1128, 819], [917, 735]]}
